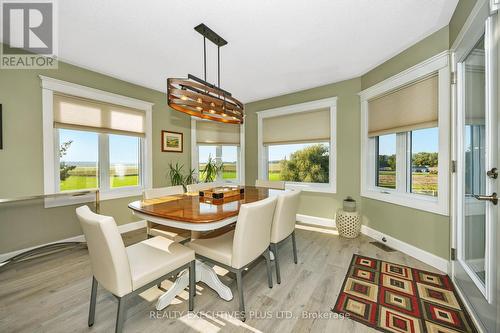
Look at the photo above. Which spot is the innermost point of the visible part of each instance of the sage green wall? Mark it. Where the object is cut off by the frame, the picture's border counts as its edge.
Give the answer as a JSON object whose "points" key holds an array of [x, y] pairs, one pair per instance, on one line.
{"points": [[21, 160], [424, 49], [348, 147], [430, 232], [427, 231], [459, 17]]}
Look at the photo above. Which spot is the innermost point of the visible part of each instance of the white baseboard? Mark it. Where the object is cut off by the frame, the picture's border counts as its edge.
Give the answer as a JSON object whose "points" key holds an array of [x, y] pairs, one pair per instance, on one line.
{"points": [[80, 238], [417, 253], [313, 220], [422, 255]]}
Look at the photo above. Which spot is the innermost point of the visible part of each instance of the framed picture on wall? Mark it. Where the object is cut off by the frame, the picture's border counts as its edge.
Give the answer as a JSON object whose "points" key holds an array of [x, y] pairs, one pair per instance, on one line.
{"points": [[171, 142]]}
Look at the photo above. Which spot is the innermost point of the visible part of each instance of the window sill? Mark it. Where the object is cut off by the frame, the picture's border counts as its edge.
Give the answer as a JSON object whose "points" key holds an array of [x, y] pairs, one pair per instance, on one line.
{"points": [[415, 201], [310, 187], [124, 192]]}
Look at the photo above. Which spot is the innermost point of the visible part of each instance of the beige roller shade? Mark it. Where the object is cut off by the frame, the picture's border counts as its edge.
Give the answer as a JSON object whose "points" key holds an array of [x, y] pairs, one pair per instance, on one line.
{"points": [[87, 115], [211, 132], [475, 87], [412, 107], [300, 127]]}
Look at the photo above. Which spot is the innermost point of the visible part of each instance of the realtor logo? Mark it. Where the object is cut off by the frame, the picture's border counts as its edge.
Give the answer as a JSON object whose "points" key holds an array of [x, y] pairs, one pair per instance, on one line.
{"points": [[28, 34]]}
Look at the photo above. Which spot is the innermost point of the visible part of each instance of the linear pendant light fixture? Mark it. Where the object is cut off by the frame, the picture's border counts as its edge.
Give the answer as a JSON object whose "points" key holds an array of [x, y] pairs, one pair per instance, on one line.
{"points": [[199, 98]]}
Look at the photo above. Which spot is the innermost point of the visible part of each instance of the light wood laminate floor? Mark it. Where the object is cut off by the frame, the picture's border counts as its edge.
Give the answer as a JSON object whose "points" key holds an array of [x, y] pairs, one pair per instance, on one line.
{"points": [[51, 294]]}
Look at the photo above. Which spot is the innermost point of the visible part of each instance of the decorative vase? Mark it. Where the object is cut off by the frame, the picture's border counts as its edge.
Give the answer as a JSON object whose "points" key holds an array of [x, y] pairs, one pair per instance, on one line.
{"points": [[349, 205], [348, 223]]}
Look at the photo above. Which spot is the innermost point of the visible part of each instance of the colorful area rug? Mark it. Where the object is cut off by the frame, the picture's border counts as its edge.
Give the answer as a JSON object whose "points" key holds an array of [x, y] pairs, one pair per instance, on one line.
{"points": [[395, 298]]}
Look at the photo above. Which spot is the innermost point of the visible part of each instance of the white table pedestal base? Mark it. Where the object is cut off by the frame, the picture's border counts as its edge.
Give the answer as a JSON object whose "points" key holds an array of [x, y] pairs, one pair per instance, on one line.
{"points": [[204, 273]]}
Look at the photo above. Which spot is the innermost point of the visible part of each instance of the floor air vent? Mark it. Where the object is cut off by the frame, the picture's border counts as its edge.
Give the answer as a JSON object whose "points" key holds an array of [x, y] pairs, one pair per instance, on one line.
{"points": [[383, 246]]}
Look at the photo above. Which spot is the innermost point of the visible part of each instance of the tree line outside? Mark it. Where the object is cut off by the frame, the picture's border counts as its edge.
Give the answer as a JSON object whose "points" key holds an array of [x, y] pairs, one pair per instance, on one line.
{"points": [[424, 172], [310, 164]]}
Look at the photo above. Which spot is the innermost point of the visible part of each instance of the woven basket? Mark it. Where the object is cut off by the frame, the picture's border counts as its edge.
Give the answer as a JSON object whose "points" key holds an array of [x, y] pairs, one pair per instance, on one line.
{"points": [[348, 223]]}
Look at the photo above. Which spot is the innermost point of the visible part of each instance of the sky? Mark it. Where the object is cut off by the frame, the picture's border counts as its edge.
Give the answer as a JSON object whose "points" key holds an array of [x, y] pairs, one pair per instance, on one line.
{"points": [[278, 153], [424, 140], [85, 147], [229, 153]]}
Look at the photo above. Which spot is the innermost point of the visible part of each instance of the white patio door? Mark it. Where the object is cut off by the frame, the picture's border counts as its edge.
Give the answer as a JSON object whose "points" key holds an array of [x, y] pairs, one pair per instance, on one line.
{"points": [[474, 270]]}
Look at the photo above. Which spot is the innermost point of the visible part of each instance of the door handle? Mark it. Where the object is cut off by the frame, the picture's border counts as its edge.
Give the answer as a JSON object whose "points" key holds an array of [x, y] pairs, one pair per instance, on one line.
{"points": [[493, 198], [493, 173]]}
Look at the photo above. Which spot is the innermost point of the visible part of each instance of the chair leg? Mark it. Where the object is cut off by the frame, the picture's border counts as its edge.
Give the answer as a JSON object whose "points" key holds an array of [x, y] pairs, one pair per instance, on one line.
{"points": [[120, 315], [192, 284], [294, 243], [274, 248], [239, 283], [93, 296]]}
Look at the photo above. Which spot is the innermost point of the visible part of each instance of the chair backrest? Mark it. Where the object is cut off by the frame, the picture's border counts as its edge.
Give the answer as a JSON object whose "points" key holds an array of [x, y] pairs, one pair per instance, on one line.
{"points": [[108, 256], [253, 231], [274, 184], [203, 186], [285, 216], [152, 193]]}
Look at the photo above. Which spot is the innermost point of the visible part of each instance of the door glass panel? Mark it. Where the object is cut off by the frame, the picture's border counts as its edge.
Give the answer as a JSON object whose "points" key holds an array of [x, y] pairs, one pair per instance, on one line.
{"points": [[474, 162]]}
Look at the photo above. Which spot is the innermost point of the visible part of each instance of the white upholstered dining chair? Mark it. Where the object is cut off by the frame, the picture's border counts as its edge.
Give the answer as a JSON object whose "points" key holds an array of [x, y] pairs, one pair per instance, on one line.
{"points": [[274, 184], [237, 249], [126, 271], [194, 188], [155, 229], [283, 226]]}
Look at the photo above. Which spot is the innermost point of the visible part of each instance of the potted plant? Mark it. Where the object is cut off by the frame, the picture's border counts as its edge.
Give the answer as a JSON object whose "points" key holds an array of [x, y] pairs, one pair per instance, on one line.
{"points": [[212, 169], [178, 178]]}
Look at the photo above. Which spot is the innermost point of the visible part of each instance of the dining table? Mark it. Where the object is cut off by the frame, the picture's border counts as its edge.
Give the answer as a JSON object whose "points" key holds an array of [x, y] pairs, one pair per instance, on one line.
{"points": [[197, 213]]}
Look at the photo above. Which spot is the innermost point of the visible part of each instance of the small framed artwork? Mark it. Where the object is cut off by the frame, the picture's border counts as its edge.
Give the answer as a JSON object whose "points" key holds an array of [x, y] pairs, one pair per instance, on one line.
{"points": [[171, 142]]}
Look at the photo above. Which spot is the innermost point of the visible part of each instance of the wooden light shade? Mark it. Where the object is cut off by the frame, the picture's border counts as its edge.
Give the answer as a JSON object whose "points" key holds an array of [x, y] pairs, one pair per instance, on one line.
{"points": [[200, 99]]}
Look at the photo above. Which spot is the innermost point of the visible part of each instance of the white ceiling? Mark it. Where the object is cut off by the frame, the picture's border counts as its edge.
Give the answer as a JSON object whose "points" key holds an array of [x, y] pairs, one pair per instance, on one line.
{"points": [[275, 46]]}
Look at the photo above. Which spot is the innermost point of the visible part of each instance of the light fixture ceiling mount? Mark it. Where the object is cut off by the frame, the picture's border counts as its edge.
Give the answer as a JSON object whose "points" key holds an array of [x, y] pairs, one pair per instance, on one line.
{"points": [[200, 98]]}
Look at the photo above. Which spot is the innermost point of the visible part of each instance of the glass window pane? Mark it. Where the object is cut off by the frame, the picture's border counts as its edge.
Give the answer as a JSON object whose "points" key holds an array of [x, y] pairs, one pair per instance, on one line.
{"points": [[308, 163], [78, 167], [386, 161], [424, 161], [230, 159], [124, 160], [204, 153], [475, 226]]}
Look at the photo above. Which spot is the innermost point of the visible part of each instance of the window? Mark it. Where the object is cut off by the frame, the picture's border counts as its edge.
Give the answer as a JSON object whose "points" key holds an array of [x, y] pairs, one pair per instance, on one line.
{"points": [[230, 162], [124, 161], [219, 144], [304, 163], [94, 139], [296, 145], [78, 160], [80, 167], [405, 124], [386, 161], [424, 161]]}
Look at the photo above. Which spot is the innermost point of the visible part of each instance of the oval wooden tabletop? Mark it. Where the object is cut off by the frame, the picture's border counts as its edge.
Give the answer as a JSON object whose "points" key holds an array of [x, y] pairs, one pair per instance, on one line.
{"points": [[192, 208]]}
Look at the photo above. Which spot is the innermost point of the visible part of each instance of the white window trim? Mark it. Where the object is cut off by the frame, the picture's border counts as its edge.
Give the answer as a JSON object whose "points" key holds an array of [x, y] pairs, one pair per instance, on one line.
{"points": [[49, 86], [439, 205], [331, 104], [241, 154], [494, 5]]}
